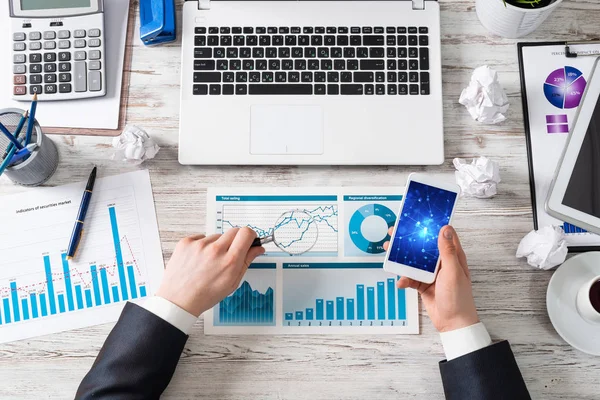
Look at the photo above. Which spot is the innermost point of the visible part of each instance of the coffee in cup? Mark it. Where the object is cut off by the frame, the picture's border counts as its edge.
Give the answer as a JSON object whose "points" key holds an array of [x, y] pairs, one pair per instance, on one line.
{"points": [[588, 300]]}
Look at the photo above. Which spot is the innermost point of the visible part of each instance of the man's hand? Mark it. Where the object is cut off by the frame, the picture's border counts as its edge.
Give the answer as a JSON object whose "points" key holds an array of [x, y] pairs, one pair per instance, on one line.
{"points": [[204, 270], [449, 300]]}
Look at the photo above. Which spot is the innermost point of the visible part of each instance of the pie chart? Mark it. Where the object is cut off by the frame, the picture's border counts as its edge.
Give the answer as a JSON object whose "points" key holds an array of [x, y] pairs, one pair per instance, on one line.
{"points": [[369, 227], [564, 87]]}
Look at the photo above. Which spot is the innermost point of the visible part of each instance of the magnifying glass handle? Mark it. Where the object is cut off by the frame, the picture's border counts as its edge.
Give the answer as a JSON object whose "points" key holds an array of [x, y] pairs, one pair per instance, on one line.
{"points": [[262, 241]]}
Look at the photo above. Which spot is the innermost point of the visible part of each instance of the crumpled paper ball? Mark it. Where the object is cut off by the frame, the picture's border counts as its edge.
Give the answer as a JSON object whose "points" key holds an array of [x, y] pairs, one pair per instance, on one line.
{"points": [[484, 97], [134, 146], [478, 179], [545, 248]]}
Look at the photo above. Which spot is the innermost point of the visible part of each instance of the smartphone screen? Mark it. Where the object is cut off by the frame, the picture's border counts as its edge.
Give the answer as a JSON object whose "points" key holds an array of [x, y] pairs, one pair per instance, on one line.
{"points": [[426, 210]]}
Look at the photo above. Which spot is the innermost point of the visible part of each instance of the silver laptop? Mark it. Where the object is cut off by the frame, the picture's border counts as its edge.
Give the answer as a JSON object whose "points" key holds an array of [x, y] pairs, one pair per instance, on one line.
{"points": [[311, 83]]}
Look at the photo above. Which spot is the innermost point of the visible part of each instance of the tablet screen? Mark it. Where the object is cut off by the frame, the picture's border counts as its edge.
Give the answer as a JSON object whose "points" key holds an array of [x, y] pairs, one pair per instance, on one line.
{"points": [[583, 190]]}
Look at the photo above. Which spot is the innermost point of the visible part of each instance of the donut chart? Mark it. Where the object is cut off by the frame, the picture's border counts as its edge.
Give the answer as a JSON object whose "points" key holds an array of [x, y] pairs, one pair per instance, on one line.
{"points": [[564, 87], [369, 223]]}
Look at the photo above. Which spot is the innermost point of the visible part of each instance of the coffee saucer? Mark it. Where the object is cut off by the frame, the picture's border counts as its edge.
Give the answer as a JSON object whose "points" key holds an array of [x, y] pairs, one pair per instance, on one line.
{"points": [[560, 302]]}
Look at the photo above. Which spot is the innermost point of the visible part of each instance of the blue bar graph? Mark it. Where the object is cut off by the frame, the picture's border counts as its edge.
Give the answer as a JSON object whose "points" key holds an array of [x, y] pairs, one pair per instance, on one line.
{"points": [[329, 310], [119, 254], [289, 316], [115, 292], [142, 291], [68, 286], [360, 302], [79, 297], [96, 286], [6, 305], [88, 298], [43, 304], [401, 304], [299, 315], [25, 307], [380, 300], [0, 318], [132, 286], [339, 308], [50, 285], [15, 301], [34, 306], [105, 289], [61, 303], [350, 308], [309, 314], [391, 292], [370, 303], [319, 308]]}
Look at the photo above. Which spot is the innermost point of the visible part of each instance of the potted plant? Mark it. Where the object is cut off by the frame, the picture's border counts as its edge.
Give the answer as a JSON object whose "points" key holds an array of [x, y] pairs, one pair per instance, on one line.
{"points": [[514, 18]]}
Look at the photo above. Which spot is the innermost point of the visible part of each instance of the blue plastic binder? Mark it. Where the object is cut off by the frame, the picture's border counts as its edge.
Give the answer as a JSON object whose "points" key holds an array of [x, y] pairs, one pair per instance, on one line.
{"points": [[157, 21]]}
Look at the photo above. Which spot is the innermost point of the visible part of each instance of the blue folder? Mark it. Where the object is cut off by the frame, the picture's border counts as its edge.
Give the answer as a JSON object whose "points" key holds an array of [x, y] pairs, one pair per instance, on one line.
{"points": [[157, 21]]}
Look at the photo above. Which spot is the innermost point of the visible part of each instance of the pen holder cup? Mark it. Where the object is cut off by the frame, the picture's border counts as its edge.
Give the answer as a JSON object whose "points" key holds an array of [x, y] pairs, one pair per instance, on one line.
{"points": [[43, 161]]}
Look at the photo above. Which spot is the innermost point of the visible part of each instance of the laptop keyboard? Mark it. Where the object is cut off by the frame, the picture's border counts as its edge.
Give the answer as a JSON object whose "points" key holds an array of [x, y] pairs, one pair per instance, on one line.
{"points": [[311, 61]]}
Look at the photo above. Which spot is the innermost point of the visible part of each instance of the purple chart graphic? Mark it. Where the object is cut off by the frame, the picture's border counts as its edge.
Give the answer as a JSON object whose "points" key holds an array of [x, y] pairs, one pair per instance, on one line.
{"points": [[564, 87]]}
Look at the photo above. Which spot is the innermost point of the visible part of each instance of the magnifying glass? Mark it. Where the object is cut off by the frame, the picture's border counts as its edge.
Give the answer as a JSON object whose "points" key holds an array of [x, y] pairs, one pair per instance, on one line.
{"points": [[295, 232]]}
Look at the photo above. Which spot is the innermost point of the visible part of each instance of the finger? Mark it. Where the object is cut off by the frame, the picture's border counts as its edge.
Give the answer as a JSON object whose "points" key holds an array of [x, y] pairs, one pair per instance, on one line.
{"points": [[391, 231], [447, 245], [211, 238], [462, 257], [198, 236], [404, 283], [224, 242], [250, 257], [386, 245], [242, 243]]}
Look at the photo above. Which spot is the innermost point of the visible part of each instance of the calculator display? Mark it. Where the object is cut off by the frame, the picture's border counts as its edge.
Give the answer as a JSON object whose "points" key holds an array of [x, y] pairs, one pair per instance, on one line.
{"points": [[27, 5]]}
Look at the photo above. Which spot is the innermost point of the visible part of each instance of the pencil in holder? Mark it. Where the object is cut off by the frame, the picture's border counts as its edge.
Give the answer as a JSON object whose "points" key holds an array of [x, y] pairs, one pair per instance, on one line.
{"points": [[41, 164]]}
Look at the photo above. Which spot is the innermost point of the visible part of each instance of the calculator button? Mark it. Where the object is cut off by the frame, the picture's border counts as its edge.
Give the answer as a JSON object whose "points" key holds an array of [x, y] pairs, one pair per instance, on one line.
{"points": [[33, 89], [35, 68], [35, 79], [94, 42], [20, 69], [64, 34], [95, 79], [19, 58], [64, 44], [79, 43], [64, 88], [64, 67], [94, 33], [49, 35], [49, 45], [80, 56], [80, 77], [50, 57], [35, 58], [50, 89], [35, 46], [18, 36], [94, 65], [64, 56], [95, 54], [49, 67], [19, 46], [66, 77], [79, 33], [20, 90], [35, 35], [20, 80], [50, 78]]}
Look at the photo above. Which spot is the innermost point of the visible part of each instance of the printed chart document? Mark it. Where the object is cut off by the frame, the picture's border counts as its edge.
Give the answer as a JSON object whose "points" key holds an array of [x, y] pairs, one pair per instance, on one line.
{"points": [[119, 257], [337, 287]]}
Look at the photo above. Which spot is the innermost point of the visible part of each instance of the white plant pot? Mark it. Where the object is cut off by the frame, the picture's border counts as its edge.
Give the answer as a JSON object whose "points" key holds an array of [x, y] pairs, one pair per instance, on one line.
{"points": [[510, 21]]}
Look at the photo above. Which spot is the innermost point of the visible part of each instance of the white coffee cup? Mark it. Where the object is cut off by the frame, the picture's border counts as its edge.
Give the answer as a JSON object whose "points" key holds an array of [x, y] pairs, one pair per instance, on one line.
{"points": [[584, 302]]}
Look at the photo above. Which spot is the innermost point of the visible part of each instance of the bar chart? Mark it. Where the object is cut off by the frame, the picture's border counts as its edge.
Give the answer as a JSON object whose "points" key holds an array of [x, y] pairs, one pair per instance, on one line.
{"points": [[341, 294]]}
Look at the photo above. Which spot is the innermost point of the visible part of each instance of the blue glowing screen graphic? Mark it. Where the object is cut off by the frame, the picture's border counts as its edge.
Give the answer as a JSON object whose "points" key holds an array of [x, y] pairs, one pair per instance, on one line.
{"points": [[426, 211]]}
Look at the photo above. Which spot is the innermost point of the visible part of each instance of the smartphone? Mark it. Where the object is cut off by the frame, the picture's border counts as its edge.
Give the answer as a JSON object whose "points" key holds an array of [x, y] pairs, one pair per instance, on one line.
{"points": [[428, 205]]}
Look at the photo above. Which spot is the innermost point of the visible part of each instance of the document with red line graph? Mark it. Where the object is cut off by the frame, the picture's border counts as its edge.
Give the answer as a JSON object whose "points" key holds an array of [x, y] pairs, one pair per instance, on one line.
{"points": [[119, 258]]}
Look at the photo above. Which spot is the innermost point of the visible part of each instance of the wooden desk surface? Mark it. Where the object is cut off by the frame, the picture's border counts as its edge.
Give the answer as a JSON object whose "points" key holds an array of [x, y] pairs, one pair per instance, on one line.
{"points": [[510, 295]]}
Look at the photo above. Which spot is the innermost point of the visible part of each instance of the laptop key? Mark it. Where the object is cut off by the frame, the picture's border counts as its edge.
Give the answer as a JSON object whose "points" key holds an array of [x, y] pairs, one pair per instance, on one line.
{"points": [[355, 41], [423, 29], [369, 89], [320, 77], [294, 77], [342, 40], [373, 40], [402, 40], [261, 65], [380, 77], [200, 90], [215, 89], [280, 77], [352, 89], [277, 40], [425, 83], [339, 65], [248, 30], [241, 77], [392, 89], [423, 40], [413, 65], [313, 65], [241, 89], [222, 65], [333, 89], [279, 89], [333, 77], [412, 40], [203, 53], [319, 89], [228, 77], [424, 58], [284, 52], [246, 52], [200, 41], [413, 77], [258, 52], [402, 89], [402, 77], [346, 77], [352, 65], [228, 89], [391, 65], [201, 77], [364, 76], [413, 89], [267, 77], [376, 52], [379, 89], [251, 40], [372, 65], [254, 77]]}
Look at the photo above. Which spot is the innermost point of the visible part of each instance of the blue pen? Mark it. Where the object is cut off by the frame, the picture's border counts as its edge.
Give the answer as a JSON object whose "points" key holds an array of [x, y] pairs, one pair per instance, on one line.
{"points": [[23, 153], [31, 123], [78, 229], [10, 136]]}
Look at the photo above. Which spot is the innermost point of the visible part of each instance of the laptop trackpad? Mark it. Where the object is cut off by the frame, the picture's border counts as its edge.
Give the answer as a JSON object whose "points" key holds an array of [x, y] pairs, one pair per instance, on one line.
{"points": [[283, 129]]}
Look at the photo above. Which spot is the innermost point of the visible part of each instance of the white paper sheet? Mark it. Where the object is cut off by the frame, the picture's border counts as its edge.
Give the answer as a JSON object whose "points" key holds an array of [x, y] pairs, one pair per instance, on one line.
{"points": [[338, 287], [119, 257], [97, 113], [554, 113]]}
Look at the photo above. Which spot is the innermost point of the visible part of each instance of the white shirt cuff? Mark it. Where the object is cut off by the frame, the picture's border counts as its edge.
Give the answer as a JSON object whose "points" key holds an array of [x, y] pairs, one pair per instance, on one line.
{"points": [[463, 341], [171, 313]]}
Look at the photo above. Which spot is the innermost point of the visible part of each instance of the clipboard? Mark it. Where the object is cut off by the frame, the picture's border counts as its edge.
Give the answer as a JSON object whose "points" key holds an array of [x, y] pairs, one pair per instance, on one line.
{"points": [[551, 88]]}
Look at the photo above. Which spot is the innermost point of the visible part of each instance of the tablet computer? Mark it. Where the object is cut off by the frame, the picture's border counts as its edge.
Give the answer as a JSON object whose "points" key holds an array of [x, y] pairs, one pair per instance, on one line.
{"points": [[574, 196]]}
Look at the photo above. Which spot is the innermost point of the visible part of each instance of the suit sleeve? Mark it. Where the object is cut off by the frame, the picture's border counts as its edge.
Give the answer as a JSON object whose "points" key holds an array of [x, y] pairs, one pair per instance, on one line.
{"points": [[138, 359], [491, 373]]}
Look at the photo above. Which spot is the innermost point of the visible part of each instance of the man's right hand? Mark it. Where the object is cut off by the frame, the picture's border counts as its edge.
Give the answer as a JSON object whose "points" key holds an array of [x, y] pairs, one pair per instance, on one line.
{"points": [[449, 300]]}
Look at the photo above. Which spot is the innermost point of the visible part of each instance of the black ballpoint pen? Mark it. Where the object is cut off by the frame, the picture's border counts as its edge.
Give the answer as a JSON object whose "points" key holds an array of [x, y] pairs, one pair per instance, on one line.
{"points": [[85, 203]]}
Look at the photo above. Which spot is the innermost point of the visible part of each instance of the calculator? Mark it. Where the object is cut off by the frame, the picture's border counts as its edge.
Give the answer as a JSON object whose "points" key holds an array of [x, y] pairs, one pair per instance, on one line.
{"points": [[57, 49]]}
